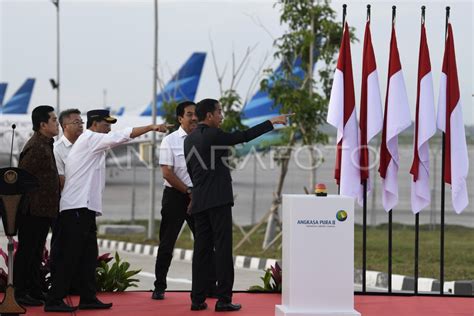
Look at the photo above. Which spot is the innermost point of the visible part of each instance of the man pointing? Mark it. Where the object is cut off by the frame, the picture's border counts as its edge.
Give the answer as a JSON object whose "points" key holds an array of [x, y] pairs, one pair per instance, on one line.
{"points": [[81, 202], [212, 200]]}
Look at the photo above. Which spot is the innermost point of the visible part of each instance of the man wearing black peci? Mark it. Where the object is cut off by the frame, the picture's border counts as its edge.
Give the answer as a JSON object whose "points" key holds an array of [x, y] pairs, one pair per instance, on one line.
{"points": [[206, 151]]}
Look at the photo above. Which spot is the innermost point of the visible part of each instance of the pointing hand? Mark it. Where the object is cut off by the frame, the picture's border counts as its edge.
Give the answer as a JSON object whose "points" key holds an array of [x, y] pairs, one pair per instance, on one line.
{"points": [[281, 119]]}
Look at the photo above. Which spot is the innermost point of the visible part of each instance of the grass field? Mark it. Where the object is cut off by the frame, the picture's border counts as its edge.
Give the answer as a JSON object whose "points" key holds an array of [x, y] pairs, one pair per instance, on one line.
{"points": [[459, 251], [459, 248]]}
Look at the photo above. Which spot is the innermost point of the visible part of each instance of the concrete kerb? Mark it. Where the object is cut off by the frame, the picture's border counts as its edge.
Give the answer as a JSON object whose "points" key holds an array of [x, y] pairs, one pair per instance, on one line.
{"points": [[241, 262], [374, 279], [407, 283]]}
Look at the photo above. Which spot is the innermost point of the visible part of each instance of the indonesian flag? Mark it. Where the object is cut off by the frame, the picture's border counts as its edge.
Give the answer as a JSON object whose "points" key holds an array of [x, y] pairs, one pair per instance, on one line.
{"points": [[370, 121], [342, 115], [396, 119], [425, 128], [456, 161]]}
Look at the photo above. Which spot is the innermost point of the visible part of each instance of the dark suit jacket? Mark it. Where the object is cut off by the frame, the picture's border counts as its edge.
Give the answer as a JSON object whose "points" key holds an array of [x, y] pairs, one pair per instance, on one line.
{"points": [[206, 152], [38, 159]]}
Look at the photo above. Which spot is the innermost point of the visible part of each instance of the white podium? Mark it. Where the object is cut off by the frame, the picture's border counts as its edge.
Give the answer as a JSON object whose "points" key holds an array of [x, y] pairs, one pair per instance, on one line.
{"points": [[318, 256]]}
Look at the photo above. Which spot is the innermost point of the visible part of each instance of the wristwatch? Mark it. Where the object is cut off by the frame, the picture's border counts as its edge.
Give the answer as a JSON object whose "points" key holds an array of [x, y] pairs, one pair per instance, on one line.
{"points": [[189, 190]]}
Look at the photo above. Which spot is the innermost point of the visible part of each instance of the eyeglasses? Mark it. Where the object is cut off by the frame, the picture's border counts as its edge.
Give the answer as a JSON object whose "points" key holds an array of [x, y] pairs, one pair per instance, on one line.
{"points": [[76, 123]]}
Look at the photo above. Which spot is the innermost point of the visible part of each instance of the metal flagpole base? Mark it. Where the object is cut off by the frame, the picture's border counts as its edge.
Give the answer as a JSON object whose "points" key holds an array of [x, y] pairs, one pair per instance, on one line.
{"points": [[9, 306]]}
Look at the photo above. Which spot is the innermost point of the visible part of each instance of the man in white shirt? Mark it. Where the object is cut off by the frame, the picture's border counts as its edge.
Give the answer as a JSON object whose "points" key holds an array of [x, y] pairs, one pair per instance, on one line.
{"points": [[72, 125], [176, 195], [81, 202]]}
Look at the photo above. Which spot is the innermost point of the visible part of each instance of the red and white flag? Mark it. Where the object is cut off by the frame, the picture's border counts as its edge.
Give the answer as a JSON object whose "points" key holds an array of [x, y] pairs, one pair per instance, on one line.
{"points": [[450, 121], [425, 128], [371, 118], [342, 115], [396, 119]]}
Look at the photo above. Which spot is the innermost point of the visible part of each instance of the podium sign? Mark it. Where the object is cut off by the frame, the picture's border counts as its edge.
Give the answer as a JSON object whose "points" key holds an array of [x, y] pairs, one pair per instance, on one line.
{"points": [[318, 256]]}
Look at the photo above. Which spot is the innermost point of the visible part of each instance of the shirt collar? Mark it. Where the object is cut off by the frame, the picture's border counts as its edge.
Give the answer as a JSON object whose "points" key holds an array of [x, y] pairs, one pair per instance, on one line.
{"points": [[66, 141], [182, 132]]}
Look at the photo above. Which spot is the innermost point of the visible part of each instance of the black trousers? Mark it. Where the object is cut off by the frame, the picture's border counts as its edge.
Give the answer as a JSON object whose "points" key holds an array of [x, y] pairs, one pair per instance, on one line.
{"points": [[74, 251], [32, 233], [213, 231], [173, 214]]}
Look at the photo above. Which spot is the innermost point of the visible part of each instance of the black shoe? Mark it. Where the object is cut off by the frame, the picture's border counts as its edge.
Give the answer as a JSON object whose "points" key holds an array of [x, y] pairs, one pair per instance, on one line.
{"points": [[27, 300], [58, 306], [227, 307], [158, 295], [94, 304], [198, 306]]}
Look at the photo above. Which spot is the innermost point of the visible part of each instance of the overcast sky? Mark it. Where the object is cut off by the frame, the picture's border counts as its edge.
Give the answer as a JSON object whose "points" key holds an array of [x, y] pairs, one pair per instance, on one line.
{"points": [[109, 45]]}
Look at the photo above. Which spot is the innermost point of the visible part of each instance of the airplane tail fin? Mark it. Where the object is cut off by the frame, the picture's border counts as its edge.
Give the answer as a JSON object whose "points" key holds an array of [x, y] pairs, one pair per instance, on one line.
{"points": [[19, 102], [182, 86], [3, 90], [120, 111], [261, 107]]}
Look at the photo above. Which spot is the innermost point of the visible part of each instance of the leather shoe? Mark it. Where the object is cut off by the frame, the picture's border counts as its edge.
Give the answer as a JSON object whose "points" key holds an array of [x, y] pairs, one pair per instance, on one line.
{"points": [[58, 306], [94, 304], [158, 295], [227, 307], [198, 306], [27, 300]]}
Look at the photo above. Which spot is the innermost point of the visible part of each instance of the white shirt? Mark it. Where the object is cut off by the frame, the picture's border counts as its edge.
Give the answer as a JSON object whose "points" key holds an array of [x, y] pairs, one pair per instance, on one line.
{"points": [[85, 169], [62, 147], [172, 154]]}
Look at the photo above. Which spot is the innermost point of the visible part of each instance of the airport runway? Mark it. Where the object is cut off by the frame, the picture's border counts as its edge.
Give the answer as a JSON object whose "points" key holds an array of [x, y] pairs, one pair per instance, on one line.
{"points": [[250, 207]]}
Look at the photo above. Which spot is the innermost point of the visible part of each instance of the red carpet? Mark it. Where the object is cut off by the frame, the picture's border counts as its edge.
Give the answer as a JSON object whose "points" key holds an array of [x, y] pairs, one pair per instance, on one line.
{"points": [[178, 303]]}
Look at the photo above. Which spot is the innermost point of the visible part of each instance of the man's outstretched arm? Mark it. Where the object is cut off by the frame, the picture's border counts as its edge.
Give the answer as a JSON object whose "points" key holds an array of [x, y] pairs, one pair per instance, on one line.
{"points": [[237, 137]]}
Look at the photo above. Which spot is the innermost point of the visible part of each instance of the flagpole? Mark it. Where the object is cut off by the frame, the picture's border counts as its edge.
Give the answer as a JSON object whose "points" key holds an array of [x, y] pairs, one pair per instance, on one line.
{"points": [[344, 12], [364, 208], [389, 285], [151, 220], [443, 157], [417, 215]]}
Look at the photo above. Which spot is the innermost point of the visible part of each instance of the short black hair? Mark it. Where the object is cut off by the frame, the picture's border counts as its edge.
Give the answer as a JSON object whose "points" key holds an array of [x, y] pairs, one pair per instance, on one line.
{"points": [[40, 115], [65, 114], [181, 106], [205, 106]]}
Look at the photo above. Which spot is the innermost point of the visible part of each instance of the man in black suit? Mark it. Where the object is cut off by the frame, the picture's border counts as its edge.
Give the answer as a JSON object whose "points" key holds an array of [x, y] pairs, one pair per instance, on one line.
{"points": [[206, 151]]}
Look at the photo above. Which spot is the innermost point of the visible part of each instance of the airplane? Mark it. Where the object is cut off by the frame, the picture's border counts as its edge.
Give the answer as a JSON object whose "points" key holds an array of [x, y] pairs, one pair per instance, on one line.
{"points": [[114, 112], [3, 90], [182, 86], [19, 102], [120, 111], [261, 107]]}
